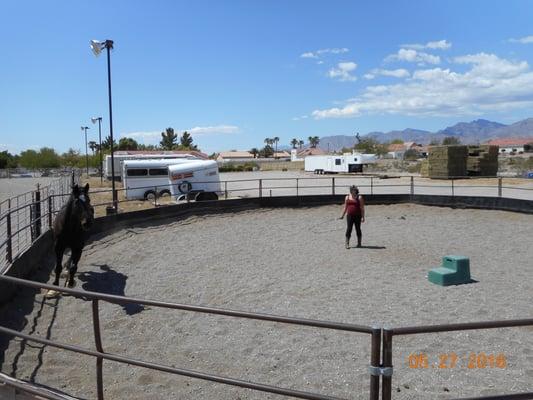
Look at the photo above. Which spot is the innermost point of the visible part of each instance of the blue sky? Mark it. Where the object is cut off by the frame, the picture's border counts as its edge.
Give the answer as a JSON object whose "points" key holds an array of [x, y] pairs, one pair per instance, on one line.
{"points": [[236, 72]]}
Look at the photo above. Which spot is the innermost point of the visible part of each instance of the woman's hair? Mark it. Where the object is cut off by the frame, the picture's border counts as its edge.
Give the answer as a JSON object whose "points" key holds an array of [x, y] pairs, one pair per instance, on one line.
{"points": [[354, 189]]}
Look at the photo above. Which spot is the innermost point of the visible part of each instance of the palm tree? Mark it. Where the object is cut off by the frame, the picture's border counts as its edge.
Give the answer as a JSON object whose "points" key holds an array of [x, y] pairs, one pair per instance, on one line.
{"points": [[294, 143], [254, 151], [300, 143], [275, 140], [313, 141], [93, 146], [269, 142]]}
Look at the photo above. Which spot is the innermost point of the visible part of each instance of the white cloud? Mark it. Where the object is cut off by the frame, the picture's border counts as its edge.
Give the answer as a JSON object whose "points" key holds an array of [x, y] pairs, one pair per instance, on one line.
{"points": [[343, 71], [410, 55], [523, 40], [395, 73], [196, 131], [318, 53], [213, 130], [143, 135], [436, 45], [489, 84], [300, 117], [308, 55]]}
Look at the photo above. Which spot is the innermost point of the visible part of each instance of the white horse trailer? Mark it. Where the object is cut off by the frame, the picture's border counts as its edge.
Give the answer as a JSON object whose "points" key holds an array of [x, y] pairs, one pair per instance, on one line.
{"points": [[332, 164], [196, 179], [120, 158], [143, 179]]}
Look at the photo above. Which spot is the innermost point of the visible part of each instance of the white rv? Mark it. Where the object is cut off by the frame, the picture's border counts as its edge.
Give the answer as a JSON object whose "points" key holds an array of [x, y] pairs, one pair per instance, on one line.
{"points": [[328, 164], [119, 158], [142, 179], [194, 179]]}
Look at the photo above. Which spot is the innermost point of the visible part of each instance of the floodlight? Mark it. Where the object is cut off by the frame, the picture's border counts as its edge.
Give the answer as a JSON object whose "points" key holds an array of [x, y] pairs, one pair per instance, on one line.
{"points": [[96, 46]]}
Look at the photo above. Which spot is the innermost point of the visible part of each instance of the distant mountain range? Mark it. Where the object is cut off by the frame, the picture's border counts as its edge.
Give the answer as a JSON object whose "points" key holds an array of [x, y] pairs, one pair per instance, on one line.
{"points": [[474, 132]]}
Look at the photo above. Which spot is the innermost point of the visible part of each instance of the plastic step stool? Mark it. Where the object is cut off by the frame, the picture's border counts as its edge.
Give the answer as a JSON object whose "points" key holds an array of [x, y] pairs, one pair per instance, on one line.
{"points": [[455, 270]]}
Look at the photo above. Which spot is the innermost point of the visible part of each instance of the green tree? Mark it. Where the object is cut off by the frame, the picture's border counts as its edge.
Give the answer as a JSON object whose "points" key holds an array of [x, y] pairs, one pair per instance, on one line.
{"points": [[300, 143], [149, 147], [72, 158], [127, 143], [168, 139], [93, 146], [410, 154], [294, 143], [370, 146], [276, 140], [266, 151], [29, 159], [313, 141], [48, 158], [434, 142], [7, 160], [186, 142], [106, 144], [450, 140], [254, 151], [397, 141]]}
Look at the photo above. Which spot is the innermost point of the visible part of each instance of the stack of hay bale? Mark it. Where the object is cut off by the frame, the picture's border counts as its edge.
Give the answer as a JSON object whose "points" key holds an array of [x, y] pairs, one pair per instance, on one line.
{"points": [[482, 160], [447, 161], [424, 168]]}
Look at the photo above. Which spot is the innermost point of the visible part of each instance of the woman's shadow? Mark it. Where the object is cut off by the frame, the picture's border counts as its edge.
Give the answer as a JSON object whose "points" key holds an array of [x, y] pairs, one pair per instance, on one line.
{"points": [[109, 282]]}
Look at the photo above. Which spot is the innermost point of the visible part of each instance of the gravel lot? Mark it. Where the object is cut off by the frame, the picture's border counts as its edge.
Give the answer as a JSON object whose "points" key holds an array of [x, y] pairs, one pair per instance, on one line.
{"points": [[291, 262]]}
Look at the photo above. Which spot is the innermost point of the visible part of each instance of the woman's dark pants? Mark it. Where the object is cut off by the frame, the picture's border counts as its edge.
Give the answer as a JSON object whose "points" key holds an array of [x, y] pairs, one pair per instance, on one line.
{"points": [[352, 220]]}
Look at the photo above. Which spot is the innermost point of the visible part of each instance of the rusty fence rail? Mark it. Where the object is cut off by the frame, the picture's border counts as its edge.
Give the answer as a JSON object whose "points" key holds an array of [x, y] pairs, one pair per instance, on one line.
{"points": [[101, 355]]}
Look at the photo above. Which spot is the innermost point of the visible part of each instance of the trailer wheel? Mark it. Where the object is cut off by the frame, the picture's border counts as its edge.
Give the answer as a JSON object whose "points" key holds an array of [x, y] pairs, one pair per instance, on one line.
{"points": [[164, 193], [185, 187], [206, 196], [149, 195]]}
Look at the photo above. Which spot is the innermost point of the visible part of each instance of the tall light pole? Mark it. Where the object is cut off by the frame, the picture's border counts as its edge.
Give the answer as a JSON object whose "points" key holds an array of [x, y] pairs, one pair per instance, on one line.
{"points": [[99, 119], [97, 48], [84, 128]]}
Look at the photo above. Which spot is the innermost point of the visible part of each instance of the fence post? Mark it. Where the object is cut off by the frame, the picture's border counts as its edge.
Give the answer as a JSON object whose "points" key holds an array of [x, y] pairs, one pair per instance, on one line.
{"points": [[72, 179], [38, 212], [99, 348], [500, 186], [9, 248], [50, 211], [31, 206], [260, 188], [155, 196], [333, 186], [412, 191], [226, 190], [375, 355], [371, 185], [453, 191], [297, 188], [386, 382]]}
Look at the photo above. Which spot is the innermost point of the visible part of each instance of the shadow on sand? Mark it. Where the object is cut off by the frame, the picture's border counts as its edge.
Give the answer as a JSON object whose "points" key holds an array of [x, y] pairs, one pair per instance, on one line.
{"points": [[108, 281], [369, 247]]}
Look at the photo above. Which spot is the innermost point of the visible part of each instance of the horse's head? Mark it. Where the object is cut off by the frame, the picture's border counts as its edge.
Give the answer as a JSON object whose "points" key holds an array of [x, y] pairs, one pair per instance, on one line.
{"points": [[81, 206]]}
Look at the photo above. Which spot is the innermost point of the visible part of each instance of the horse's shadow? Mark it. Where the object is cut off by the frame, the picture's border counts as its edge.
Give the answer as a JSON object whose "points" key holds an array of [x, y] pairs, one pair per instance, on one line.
{"points": [[108, 281]]}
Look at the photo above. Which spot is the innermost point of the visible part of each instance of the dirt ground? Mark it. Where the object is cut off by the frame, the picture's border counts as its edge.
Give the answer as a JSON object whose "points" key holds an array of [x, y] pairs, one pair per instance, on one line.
{"points": [[291, 262]]}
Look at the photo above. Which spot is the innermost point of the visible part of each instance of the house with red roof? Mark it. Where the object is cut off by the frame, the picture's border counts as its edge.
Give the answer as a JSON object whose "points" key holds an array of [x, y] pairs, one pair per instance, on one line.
{"points": [[513, 145]]}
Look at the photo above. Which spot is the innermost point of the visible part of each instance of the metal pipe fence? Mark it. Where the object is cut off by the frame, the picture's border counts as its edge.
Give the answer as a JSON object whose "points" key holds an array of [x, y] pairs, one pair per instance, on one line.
{"points": [[101, 355], [25, 217]]}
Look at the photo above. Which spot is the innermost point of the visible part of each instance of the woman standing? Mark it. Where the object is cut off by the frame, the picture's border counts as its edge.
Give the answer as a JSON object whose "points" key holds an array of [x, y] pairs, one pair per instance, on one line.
{"points": [[354, 208]]}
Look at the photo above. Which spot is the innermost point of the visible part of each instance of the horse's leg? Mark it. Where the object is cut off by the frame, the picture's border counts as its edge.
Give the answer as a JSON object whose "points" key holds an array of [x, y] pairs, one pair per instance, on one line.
{"points": [[75, 257], [59, 250]]}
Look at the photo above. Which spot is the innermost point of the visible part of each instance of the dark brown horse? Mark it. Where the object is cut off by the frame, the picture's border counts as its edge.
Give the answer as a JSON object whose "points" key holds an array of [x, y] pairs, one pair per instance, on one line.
{"points": [[70, 226]]}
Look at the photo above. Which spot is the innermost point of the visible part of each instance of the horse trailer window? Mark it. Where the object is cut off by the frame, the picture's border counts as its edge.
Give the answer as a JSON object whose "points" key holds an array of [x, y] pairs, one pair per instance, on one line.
{"points": [[337, 161], [158, 172], [137, 172]]}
